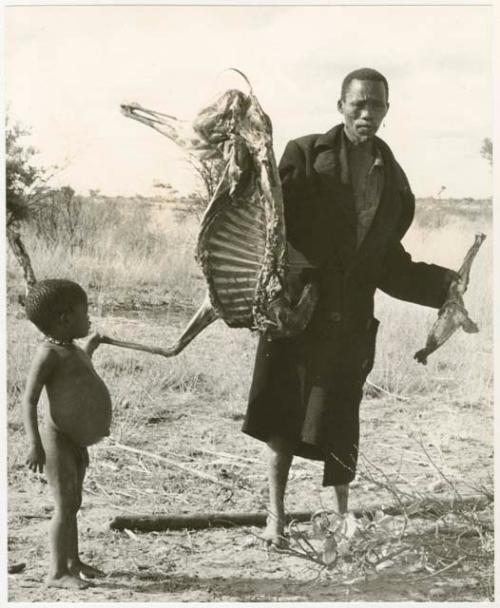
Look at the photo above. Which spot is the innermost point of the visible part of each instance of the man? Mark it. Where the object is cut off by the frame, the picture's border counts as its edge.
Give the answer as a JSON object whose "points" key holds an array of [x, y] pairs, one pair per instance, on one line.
{"points": [[348, 204]]}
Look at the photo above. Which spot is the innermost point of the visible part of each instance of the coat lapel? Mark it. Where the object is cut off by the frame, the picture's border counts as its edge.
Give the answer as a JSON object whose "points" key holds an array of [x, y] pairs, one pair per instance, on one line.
{"points": [[332, 178], [335, 194]]}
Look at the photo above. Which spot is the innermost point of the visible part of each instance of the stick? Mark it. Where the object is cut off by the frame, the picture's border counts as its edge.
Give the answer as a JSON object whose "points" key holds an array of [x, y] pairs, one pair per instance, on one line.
{"points": [[383, 390], [227, 455], [199, 521], [170, 462], [423, 578], [16, 568]]}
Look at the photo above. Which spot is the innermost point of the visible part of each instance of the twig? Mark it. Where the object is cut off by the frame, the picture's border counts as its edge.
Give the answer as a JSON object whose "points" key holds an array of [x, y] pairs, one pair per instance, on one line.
{"points": [[16, 568], [121, 493], [448, 481], [423, 578], [301, 538], [169, 462], [225, 462], [289, 551], [383, 390], [390, 556], [130, 534], [227, 455], [101, 488]]}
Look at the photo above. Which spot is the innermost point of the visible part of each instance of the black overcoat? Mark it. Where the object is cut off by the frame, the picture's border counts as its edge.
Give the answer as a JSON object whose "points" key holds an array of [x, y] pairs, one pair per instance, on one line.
{"points": [[308, 388]]}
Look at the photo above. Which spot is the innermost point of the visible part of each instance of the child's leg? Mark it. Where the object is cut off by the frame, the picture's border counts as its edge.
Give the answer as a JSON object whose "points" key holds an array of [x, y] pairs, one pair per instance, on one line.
{"points": [[62, 475], [75, 565], [280, 460]]}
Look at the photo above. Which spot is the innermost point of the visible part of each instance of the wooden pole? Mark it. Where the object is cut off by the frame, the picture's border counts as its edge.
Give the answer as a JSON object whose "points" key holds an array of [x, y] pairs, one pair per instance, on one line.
{"points": [[199, 521]]}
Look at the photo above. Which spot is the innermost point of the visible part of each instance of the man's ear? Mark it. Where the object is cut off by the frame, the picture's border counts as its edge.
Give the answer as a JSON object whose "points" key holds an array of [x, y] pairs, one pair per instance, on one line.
{"points": [[340, 105]]}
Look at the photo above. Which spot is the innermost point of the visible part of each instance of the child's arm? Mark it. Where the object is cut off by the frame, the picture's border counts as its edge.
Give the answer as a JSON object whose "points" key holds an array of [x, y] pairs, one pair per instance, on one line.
{"points": [[92, 343], [41, 368]]}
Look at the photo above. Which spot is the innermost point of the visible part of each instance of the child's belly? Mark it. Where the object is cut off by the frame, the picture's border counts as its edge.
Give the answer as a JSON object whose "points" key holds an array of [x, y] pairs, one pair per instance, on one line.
{"points": [[80, 405]]}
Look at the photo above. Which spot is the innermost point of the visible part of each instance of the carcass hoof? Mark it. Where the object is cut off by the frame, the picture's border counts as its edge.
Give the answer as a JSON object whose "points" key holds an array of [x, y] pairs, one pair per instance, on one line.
{"points": [[421, 356], [292, 321]]}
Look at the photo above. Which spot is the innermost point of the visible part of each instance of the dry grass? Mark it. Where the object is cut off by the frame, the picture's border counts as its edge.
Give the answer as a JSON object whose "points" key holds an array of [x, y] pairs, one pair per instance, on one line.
{"points": [[130, 248]]}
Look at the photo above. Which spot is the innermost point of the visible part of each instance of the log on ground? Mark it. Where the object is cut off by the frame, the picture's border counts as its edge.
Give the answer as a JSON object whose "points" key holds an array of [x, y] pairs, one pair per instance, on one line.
{"points": [[199, 521]]}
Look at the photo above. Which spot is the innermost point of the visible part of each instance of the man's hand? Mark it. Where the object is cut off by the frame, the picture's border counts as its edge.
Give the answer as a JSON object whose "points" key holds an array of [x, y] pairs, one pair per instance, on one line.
{"points": [[452, 275], [92, 343], [36, 458]]}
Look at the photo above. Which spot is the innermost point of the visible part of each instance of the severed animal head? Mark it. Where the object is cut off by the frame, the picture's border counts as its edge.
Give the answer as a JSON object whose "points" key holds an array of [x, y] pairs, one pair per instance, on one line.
{"points": [[233, 127]]}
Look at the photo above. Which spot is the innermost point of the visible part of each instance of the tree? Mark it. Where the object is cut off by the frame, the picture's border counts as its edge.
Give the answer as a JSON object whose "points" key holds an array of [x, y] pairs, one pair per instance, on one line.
{"points": [[57, 218], [26, 187], [487, 150], [441, 190], [209, 173]]}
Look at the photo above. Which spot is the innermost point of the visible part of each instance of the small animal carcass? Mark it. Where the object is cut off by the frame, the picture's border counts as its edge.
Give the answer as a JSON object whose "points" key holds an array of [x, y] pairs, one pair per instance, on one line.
{"points": [[453, 314]]}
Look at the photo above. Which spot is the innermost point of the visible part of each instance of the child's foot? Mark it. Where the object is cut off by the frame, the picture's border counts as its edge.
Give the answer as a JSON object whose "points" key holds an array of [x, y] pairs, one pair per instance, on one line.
{"points": [[274, 534], [66, 581], [85, 570]]}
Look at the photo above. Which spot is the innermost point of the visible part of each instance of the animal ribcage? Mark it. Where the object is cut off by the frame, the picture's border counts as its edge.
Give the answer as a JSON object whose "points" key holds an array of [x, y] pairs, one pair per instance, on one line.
{"points": [[231, 249]]}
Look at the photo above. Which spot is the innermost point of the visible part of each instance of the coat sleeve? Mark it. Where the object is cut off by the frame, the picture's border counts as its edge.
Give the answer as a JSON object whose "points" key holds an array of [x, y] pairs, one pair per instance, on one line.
{"points": [[417, 282], [293, 182]]}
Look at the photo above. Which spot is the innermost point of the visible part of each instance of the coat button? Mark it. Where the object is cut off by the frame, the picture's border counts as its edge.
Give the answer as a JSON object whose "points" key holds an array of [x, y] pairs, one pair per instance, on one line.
{"points": [[335, 316]]}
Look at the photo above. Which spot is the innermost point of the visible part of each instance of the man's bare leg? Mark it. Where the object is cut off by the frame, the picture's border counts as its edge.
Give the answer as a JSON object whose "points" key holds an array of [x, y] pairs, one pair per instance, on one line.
{"points": [[280, 460], [342, 497]]}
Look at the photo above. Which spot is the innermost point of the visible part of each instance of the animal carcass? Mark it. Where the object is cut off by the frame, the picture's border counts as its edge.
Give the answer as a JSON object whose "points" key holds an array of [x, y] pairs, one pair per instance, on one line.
{"points": [[242, 242], [452, 314]]}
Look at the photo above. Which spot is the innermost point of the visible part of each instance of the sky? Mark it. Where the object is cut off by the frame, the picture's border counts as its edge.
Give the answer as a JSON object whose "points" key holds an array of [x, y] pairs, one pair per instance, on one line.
{"points": [[68, 68]]}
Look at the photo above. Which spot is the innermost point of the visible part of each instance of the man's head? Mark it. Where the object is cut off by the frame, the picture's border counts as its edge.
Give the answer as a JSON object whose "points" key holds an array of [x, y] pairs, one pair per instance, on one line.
{"points": [[58, 308], [364, 102]]}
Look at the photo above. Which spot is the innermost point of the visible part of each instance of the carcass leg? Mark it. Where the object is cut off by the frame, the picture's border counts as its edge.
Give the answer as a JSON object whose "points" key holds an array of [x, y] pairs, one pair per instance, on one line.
{"points": [[203, 317], [464, 271]]}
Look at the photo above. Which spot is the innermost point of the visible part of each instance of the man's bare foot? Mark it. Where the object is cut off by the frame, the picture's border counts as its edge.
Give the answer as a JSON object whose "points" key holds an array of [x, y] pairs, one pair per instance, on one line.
{"points": [[66, 581], [274, 534], [85, 570]]}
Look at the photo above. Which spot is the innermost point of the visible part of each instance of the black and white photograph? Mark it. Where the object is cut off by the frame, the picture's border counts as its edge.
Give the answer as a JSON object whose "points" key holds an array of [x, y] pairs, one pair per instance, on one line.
{"points": [[249, 325]]}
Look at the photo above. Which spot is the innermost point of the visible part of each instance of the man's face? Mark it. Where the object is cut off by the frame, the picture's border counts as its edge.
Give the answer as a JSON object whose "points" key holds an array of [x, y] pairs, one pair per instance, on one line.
{"points": [[363, 108]]}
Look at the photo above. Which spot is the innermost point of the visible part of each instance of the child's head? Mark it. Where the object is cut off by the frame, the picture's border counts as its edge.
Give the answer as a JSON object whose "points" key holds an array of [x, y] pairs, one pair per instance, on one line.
{"points": [[58, 308]]}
